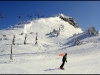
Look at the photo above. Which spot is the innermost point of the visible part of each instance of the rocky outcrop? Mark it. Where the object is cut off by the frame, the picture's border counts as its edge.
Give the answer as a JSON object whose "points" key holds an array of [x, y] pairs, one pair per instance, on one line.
{"points": [[69, 20]]}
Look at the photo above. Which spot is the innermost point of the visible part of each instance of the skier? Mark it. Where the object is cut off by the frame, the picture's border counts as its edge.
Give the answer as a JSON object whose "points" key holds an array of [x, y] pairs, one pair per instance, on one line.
{"points": [[63, 61]]}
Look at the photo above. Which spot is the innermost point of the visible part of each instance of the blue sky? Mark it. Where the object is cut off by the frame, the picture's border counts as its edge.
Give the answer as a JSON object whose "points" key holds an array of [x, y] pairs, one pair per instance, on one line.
{"points": [[85, 13]]}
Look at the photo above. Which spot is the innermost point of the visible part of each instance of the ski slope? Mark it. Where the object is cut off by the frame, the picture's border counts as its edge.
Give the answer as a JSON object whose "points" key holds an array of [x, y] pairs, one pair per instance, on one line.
{"points": [[43, 58]]}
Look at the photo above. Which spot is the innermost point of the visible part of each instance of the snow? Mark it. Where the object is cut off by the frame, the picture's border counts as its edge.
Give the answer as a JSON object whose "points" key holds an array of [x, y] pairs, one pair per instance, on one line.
{"points": [[43, 58]]}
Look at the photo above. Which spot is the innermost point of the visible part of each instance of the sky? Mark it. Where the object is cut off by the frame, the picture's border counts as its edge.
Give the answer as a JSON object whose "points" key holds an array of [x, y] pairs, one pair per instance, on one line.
{"points": [[85, 13]]}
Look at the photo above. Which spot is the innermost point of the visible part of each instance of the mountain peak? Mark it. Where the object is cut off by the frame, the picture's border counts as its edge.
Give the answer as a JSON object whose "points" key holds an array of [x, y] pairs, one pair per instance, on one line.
{"points": [[60, 14]]}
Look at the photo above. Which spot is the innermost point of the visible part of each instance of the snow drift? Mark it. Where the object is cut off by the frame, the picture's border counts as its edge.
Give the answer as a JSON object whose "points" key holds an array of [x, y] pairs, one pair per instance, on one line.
{"points": [[54, 36]]}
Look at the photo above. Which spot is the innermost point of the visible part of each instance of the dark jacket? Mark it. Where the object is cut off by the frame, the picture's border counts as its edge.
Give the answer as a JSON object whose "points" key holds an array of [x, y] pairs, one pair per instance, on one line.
{"points": [[64, 58]]}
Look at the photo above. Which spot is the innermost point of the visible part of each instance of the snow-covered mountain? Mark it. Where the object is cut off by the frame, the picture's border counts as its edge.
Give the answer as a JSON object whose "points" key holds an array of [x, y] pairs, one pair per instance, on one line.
{"points": [[55, 35]]}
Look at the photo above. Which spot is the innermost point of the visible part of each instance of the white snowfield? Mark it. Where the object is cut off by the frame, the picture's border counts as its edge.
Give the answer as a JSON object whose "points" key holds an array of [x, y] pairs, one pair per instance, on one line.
{"points": [[43, 58]]}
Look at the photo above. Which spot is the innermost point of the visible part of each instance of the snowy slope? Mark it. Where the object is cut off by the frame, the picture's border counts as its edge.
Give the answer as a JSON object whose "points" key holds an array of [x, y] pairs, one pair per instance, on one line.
{"points": [[43, 58]]}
